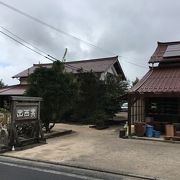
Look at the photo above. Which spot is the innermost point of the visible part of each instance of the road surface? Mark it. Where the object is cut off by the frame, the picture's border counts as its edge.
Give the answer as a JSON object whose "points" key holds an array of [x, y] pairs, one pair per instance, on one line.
{"points": [[16, 169], [12, 172]]}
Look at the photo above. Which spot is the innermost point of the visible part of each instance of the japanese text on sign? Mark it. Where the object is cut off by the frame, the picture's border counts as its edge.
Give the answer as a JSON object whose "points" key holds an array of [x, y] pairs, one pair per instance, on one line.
{"points": [[26, 113]]}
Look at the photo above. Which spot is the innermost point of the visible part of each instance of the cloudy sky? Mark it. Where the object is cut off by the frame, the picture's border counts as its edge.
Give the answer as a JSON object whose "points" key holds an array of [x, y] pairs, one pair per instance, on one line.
{"points": [[128, 28]]}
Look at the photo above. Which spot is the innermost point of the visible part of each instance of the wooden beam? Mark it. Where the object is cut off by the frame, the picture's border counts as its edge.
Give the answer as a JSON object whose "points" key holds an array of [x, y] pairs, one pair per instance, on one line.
{"points": [[129, 114]]}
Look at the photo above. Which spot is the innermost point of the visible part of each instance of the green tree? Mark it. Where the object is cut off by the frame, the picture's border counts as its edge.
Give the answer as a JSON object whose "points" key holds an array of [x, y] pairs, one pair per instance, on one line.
{"points": [[115, 87], [1, 83], [81, 97], [98, 100], [58, 90], [89, 95]]}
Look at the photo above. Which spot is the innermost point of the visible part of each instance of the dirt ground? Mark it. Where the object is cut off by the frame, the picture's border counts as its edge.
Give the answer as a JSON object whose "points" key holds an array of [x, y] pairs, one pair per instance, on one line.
{"points": [[103, 149]]}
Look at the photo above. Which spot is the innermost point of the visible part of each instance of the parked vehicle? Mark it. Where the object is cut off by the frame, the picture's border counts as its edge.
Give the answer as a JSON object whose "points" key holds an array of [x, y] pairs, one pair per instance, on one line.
{"points": [[124, 107]]}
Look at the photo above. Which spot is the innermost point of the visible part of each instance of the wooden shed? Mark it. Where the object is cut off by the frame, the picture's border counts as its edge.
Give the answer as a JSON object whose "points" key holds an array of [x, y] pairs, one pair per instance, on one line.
{"points": [[157, 95]]}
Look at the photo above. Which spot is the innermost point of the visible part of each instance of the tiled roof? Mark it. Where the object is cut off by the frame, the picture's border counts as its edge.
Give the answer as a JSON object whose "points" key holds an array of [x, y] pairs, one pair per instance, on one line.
{"points": [[96, 65], [13, 90], [159, 80], [160, 50]]}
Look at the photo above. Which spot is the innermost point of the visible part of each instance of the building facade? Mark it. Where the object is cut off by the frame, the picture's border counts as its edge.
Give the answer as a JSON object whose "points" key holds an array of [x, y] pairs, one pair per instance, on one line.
{"points": [[157, 95], [100, 66]]}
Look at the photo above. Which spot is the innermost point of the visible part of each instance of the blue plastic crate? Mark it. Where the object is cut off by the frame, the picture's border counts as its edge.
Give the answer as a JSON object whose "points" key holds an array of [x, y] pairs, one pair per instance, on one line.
{"points": [[156, 134]]}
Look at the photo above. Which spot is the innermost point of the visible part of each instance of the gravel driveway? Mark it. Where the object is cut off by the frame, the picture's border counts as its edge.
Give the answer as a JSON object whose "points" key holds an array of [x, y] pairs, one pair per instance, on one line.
{"points": [[105, 150]]}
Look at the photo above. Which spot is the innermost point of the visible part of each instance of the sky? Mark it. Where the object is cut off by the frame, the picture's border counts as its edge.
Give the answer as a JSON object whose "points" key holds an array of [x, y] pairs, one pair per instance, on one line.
{"points": [[127, 28]]}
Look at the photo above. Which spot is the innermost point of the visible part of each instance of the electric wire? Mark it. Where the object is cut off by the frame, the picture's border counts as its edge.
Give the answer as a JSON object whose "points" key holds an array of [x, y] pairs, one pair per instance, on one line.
{"points": [[15, 35], [47, 56], [138, 65], [52, 27], [63, 32], [25, 45]]}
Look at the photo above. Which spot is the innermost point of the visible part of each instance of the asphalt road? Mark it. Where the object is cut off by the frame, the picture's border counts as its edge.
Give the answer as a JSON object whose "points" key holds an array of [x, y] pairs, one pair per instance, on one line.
{"points": [[20, 169], [18, 172]]}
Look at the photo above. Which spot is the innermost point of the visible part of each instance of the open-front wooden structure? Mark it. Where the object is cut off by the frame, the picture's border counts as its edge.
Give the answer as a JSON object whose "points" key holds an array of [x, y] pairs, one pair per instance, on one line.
{"points": [[157, 94]]}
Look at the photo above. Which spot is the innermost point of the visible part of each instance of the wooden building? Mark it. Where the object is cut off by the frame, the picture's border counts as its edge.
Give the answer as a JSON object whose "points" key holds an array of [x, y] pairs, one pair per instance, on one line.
{"points": [[100, 66], [157, 95]]}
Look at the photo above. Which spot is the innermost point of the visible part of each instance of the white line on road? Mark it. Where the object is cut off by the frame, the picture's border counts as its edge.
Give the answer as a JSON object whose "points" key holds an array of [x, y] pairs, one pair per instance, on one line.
{"points": [[49, 171]]}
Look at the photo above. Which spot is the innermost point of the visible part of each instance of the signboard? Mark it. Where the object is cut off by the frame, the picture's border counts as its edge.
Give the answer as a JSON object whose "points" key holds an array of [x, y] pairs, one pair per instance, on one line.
{"points": [[26, 112], [24, 123]]}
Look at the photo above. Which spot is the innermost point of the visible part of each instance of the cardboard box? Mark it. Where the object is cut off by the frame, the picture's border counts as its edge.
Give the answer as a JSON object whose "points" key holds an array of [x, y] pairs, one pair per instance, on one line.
{"points": [[169, 130]]}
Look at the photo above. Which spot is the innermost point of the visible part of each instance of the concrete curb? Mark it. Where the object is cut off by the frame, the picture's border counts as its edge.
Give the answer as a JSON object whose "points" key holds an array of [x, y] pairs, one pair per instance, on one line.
{"points": [[120, 173], [57, 133], [155, 140]]}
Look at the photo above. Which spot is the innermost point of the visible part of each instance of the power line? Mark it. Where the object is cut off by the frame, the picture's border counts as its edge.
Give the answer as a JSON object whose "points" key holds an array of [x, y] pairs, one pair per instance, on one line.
{"points": [[10, 32], [25, 45], [52, 27], [142, 66], [47, 56], [21, 39], [63, 32]]}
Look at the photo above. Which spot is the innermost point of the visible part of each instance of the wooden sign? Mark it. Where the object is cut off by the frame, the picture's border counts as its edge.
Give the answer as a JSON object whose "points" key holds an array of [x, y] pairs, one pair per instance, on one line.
{"points": [[25, 120], [27, 112]]}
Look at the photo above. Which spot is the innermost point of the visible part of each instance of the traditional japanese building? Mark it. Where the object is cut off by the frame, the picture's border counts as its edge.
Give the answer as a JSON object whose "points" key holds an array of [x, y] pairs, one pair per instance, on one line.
{"points": [[157, 94], [100, 66]]}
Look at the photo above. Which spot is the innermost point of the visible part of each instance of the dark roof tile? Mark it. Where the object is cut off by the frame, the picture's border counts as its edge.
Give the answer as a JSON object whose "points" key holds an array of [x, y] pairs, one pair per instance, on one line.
{"points": [[159, 80], [96, 65]]}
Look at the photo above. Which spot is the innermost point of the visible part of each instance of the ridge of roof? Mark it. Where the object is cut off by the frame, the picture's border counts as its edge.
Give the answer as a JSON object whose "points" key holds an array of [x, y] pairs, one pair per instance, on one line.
{"points": [[157, 56], [84, 60], [15, 76], [168, 43], [108, 61], [96, 59]]}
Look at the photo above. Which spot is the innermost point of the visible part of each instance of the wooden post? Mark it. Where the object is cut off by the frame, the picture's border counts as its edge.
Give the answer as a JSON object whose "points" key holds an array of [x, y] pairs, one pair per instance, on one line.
{"points": [[40, 123], [129, 114], [11, 132]]}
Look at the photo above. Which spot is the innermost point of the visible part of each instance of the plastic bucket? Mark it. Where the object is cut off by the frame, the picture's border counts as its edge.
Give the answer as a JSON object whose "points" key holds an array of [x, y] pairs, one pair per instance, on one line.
{"points": [[149, 131], [156, 134]]}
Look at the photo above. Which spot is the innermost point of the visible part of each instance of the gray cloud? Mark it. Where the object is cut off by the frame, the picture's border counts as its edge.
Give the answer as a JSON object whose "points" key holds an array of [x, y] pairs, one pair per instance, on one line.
{"points": [[126, 28]]}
